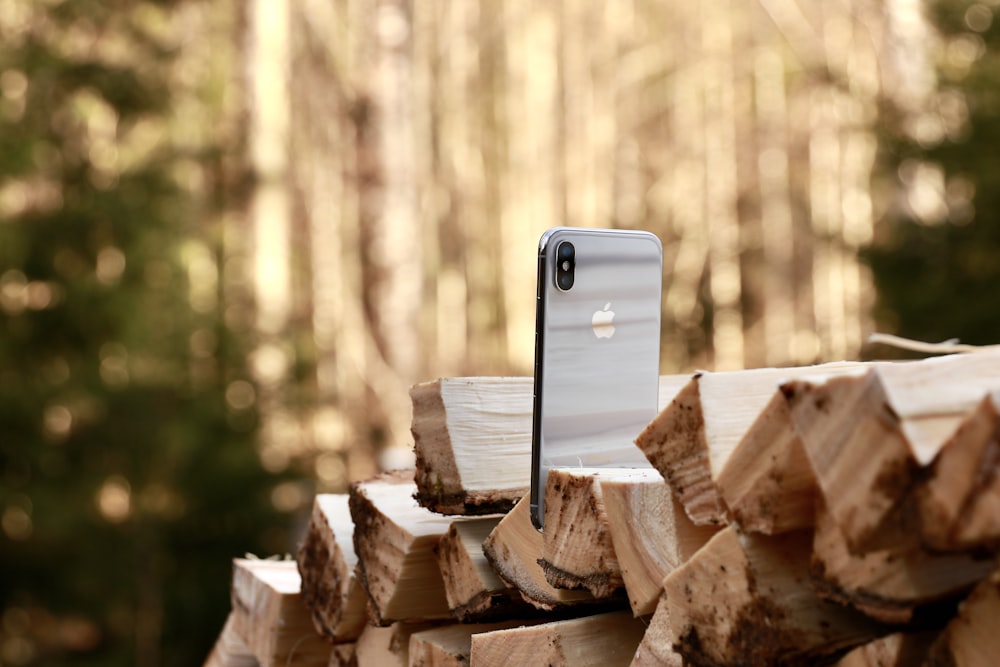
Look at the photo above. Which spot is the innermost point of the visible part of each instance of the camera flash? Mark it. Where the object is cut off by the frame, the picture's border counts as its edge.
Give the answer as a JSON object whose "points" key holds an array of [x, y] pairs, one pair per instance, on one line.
{"points": [[565, 265]]}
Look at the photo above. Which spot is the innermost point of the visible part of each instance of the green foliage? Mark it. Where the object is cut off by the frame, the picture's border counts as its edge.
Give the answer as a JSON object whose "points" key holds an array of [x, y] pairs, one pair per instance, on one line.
{"points": [[127, 483], [937, 267]]}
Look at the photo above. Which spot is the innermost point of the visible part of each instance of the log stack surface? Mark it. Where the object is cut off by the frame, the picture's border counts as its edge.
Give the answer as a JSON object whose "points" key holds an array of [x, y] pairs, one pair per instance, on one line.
{"points": [[845, 514]]}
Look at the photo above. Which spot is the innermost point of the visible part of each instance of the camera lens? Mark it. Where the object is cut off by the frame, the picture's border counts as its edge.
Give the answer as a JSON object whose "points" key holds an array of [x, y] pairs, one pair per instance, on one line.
{"points": [[565, 251], [565, 281], [565, 266]]}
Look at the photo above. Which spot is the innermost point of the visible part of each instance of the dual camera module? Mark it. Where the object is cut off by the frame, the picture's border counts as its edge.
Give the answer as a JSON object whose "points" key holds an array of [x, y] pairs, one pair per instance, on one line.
{"points": [[565, 266]]}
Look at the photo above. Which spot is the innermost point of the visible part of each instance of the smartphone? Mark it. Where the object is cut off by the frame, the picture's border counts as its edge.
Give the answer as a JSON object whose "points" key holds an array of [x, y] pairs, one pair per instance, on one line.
{"points": [[597, 350]]}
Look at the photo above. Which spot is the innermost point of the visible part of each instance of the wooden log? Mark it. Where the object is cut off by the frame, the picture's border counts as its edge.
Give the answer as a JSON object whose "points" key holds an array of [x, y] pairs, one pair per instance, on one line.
{"points": [[693, 438], [577, 551], [869, 435], [344, 655], [891, 585], [387, 646], [395, 539], [604, 639], [657, 646], [971, 638], [899, 649], [745, 599], [450, 645], [271, 618], [514, 548], [473, 589], [650, 532], [230, 650], [472, 440], [327, 562]]}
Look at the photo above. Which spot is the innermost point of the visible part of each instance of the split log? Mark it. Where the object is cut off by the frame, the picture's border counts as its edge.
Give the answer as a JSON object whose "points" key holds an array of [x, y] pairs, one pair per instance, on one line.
{"points": [[344, 655], [387, 646], [657, 646], [604, 639], [745, 599], [327, 561], [959, 499], [869, 435], [449, 645], [514, 548], [472, 440], [692, 439], [576, 544], [395, 539], [230, 650], [473, 589], [899, 649], [971, 638], [891, 585], [271, 618]]}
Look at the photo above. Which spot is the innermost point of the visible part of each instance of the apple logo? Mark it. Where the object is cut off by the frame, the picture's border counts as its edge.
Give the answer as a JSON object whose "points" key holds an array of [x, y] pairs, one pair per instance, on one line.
{"points": [[603, 322]]}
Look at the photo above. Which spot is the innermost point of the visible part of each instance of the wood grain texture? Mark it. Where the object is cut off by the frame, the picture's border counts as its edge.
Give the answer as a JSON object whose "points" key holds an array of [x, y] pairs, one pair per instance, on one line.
{"points": [[230, 650], [971, 638], [657, 646]]}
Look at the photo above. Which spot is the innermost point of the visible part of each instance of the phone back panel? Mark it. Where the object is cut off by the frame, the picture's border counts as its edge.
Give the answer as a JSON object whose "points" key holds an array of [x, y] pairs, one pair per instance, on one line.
{"points": [[594, 395]]}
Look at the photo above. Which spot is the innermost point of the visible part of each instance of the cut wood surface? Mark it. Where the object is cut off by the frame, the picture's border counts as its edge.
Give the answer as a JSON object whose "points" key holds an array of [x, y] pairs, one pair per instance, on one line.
{"points": [[472, 440], [473, 589], [650, 532], [603, 640], [395, 539], [576, 544], [230, 650], [269, 615], [971, 638], [326, 563], [657, 646], [387, 646], [896, 650], [869, 435], [450, 645], [344, 655], [890, 585], [514, 548], [746, 600], [694, 436]]}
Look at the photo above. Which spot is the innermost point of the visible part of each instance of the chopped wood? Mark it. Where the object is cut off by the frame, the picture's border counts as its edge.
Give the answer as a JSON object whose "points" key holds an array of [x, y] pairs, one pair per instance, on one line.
{"points": [[327, 561], [745, 599], [344, 655], [271, 618], [869, 435], [650, 532], [230, 650], [657, 646], [473, 589], [899, 649], [387, 646], [694, 436], [577, 551], [601, 640], [514, 548], [971, 638], [472, 439], [395, 539], [890, 585], [450, 645]]}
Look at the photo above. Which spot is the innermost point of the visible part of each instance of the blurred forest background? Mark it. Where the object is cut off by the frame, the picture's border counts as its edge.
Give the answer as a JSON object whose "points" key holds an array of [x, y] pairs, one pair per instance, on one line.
{"points": [[232, 234]]}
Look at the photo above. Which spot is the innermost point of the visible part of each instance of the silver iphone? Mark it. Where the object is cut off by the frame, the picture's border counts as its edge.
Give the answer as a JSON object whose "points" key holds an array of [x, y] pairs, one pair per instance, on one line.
{"points": [[597, 350]]}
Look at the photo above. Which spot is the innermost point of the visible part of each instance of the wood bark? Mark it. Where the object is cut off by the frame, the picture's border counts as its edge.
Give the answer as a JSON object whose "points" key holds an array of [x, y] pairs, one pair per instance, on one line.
{"points": [[514, 549], [230, 650], [327, 563], [650, 533], [270, 617], [473, 589], [891, 585], [395, 539], [450, 645], [603, 639], [657, 646], [971, 638], [577, 551], [693, 438], [745, 599], [472, 439]]}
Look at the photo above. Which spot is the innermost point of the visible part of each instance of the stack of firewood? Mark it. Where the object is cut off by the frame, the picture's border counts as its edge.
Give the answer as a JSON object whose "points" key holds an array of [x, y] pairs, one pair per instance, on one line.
{"points": [[842, 514]]}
